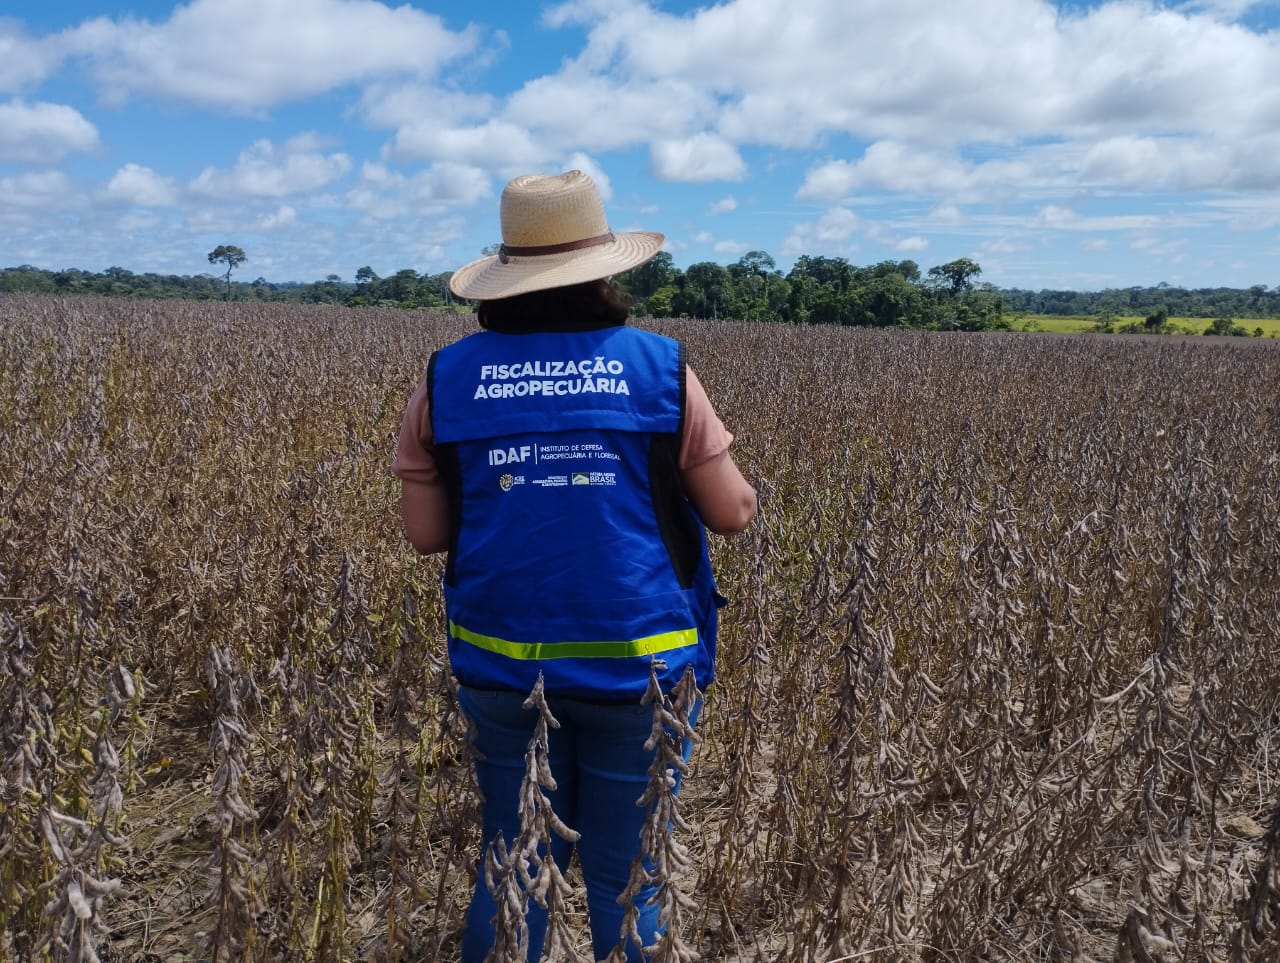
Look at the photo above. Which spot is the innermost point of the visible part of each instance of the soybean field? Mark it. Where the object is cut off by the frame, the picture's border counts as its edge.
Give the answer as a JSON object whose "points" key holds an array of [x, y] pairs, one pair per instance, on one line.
{"points": [[999, 679]]}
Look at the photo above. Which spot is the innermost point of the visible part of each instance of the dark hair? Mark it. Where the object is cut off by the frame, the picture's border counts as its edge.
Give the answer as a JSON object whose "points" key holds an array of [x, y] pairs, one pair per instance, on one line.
{"points": [[575, 307]]}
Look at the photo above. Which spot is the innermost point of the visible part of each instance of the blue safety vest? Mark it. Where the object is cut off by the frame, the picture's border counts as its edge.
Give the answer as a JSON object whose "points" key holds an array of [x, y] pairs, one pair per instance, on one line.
{"points": [[574, 552]]}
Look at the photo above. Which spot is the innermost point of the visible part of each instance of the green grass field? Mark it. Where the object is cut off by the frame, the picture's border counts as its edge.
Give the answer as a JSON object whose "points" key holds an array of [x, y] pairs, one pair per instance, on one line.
{"points": [[1074, 324]]}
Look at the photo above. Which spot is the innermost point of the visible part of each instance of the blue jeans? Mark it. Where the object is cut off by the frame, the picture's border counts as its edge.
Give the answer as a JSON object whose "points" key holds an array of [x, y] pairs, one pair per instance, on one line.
{"points": [[599, 763]]}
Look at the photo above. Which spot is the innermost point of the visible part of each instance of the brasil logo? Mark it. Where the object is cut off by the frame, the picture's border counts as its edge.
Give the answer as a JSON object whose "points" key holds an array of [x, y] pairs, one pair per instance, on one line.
{"points": [[581, 478]]}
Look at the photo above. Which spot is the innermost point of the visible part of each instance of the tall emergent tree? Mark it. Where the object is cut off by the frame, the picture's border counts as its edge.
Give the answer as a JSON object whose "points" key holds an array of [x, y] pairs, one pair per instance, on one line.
{"points": [[955, 277], [231, 256]]}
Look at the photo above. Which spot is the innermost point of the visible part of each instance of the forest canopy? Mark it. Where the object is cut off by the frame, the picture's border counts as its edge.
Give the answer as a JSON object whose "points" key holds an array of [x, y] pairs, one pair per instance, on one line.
{"points": [[816, 290]]}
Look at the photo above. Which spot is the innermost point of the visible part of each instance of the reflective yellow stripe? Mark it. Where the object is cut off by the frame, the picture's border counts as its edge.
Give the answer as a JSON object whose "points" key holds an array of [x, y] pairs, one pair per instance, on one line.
{"points": [[528, 651]]}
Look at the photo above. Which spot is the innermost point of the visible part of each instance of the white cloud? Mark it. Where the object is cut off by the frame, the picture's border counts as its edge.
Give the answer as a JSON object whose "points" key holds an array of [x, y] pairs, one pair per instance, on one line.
{"points": [[946, 214], [587, 164], [247, 55], [39, 191], [142, 187], [386, 105], [43, 133], [1004, 245], [1054, 216], [135, 222], [211, 220], [935, 77], [1156, 71], [969, 69], [24, 60], [449, 185], [1174, 249], [497, 145], [837, 224], [726, 205], [1135, 164], [784, 71], [387, 194], [282, 217], [599, 113], [265, 170], [1226, 9], [1248, 213], [699, 159], [902, 168], [829, 181], [1183, 164], [879, 233], [830, 233], [1121, 222], [731, 247]]}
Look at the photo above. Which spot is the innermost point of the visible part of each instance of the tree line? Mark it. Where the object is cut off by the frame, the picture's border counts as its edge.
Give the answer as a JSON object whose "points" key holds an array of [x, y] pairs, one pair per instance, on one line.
{"points": [[1256, 301], [816, 290], [820, 290]]}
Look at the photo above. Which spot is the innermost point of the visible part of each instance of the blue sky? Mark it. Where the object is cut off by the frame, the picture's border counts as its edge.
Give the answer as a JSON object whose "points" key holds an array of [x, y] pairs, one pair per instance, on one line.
{"points": [[1061, 145]]}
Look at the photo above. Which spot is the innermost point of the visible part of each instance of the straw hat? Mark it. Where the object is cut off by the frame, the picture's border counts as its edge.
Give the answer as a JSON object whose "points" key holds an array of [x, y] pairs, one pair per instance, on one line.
{"points": [[554, 233]]}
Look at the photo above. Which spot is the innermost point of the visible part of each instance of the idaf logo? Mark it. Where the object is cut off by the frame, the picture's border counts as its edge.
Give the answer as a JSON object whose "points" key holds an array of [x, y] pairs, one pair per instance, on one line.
{"points": [[510, 456]]}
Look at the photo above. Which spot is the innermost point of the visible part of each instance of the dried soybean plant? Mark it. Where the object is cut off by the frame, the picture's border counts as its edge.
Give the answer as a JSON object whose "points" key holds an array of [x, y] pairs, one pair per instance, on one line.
{"points": [[1074, 605], [1257, 936], [233, 858], [663, 858], [401, 786], [29, 742], [999, 677], [524, 869], [83, 846]]}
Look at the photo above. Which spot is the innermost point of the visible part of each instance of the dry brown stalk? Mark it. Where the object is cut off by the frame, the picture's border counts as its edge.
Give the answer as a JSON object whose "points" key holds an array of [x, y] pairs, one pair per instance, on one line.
{"points": [[525, 870], [83, 847], [400, 815], [1257, 934], [27, 747], [235, 894], [663, 858]]}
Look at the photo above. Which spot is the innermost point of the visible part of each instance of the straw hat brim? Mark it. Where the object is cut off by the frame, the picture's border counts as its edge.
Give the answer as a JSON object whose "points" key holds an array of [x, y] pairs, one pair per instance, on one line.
{"points": [[489, 278]]}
